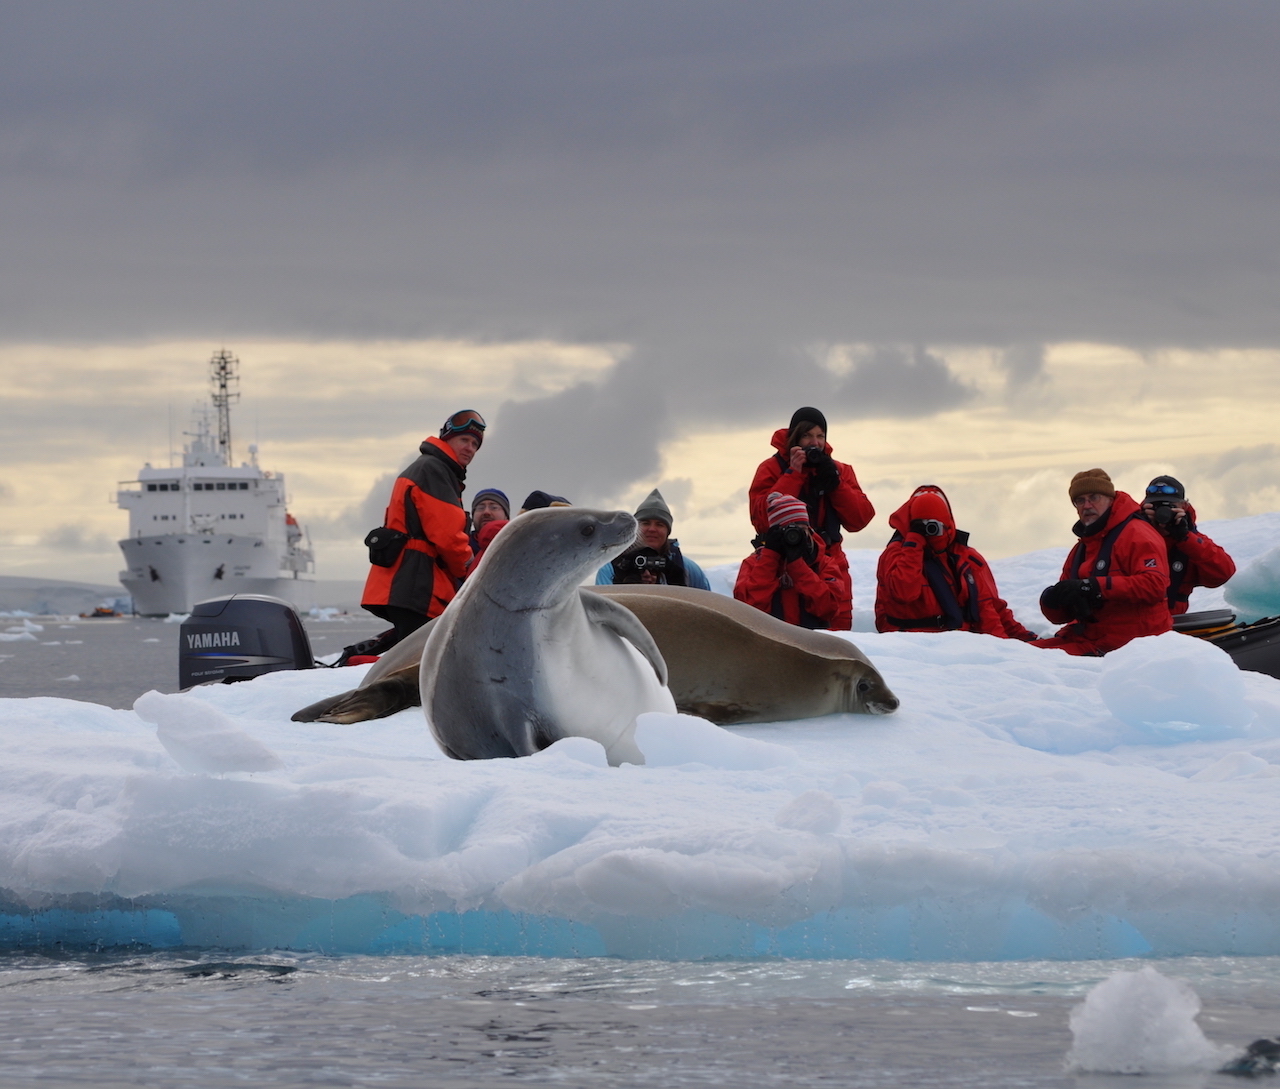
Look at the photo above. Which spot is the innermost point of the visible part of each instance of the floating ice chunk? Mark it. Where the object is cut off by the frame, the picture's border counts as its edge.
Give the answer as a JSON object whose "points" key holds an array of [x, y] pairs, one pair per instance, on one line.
{"points": [[670, 740], [200, 737], [17, 637], [812, 811], [1172, 687], [69, 677], [1141, 1023], [1254, 590], [326, 612], [26, 626], [177, 618]]}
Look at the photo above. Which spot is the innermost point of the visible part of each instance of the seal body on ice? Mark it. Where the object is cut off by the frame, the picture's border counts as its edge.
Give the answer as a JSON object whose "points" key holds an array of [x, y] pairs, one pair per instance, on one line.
{"points": [[731, 663], [726, 661], [521, 658]]}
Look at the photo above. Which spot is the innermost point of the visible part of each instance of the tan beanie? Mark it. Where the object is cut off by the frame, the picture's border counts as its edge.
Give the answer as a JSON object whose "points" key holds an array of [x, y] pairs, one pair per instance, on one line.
{"points": [[1089, 482]]}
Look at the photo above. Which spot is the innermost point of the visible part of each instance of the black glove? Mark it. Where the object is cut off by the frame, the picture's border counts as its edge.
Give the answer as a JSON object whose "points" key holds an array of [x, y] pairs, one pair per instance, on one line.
{"points": [[1181, 527], [826, 474], [1079, 597], [774, 542]]}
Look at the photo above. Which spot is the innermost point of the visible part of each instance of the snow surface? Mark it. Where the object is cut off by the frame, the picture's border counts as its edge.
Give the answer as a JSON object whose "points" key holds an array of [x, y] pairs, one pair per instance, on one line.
{"points": [[1021, 804]]}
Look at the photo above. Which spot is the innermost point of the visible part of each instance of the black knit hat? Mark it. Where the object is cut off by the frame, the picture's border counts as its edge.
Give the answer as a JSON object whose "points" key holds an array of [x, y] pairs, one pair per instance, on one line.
{"points": [[1161, 486], [810, 416]]}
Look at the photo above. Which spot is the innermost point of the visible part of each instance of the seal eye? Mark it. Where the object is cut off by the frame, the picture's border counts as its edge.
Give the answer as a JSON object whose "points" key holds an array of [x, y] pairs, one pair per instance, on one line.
{"points": [[864, 686], [587, 529]]}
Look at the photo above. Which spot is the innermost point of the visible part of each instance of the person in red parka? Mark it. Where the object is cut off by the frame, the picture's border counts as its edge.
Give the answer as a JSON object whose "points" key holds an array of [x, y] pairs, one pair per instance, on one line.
{"points": [[426, 508], [804, 469], [1115, 582], [930, 579], [791, 575], [1194, 560]]}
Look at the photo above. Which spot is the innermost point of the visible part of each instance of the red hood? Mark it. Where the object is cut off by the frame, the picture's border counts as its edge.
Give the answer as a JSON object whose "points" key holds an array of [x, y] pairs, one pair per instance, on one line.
{"points": [[780, 442], [488, 531], [901, 522], [441, 445]]}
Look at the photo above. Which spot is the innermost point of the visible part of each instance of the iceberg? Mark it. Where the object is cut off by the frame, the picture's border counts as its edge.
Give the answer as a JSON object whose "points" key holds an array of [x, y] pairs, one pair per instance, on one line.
{"points": [[1021, 804]]}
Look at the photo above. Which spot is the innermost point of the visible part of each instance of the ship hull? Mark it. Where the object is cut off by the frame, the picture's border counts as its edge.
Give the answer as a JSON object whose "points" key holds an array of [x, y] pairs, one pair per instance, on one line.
{"points": [[170, 573]]}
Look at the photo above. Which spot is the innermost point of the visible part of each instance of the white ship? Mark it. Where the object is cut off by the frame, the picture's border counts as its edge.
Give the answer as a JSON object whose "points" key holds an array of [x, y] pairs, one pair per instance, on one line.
{"points": [[210, 528]]}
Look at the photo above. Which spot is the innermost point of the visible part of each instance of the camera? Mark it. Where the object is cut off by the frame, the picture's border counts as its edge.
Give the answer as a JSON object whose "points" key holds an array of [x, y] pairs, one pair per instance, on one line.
{"points": [[1164, 512], [931, 527], [795, 535], [655, 564], [815, 455]]}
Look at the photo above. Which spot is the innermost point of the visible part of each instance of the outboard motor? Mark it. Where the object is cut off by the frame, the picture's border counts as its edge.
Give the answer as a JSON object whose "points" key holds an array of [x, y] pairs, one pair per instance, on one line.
{"points": [[242, 636]]}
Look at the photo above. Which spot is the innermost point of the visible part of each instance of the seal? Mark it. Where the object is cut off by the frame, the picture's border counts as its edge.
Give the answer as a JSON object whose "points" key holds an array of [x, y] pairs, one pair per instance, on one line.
{"points": [[521, 659], [732, 663], [727, 662]]}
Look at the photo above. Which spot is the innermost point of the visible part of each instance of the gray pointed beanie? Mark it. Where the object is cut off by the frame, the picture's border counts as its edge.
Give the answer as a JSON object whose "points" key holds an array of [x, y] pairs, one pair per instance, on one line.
{"points": [[654, 506]]}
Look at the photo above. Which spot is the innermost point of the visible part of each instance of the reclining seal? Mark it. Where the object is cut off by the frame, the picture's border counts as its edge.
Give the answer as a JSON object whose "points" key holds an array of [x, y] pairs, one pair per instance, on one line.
{"points": [[521, 659], [726, 662]]}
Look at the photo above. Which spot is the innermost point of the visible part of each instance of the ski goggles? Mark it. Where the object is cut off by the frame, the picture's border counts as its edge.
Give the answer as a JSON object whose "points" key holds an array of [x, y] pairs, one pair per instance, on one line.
{"points": [[466, 422], [1163, 489]]}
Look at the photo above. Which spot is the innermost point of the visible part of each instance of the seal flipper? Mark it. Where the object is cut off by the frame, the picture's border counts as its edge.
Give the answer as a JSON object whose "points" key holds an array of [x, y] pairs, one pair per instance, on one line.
{"points": [[384, 697], [313, 711], [623, 622]]}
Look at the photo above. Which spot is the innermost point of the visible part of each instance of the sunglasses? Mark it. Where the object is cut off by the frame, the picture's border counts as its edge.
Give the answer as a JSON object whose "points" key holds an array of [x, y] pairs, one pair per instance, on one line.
{"points": [[1162, 489], [464, 422]]}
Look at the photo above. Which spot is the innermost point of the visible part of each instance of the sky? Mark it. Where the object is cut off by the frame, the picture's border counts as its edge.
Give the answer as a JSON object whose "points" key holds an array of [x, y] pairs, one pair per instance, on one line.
{"points": [[995, 242]]}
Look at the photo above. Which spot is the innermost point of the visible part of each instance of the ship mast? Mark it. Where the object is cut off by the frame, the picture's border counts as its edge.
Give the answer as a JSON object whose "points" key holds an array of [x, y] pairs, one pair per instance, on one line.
{"points": [[224, 373]]}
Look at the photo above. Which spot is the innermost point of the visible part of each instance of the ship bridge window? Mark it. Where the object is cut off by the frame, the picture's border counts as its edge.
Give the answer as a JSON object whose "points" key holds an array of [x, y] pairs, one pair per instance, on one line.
{"points": [[244, 485], [162, 487]]}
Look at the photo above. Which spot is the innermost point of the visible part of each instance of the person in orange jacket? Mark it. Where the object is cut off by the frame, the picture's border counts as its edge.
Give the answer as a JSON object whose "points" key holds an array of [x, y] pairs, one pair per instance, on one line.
{"points": [[929, 578], [1115, 583], [804, 469], [1194, 560], [791, 575], [413, 584]]}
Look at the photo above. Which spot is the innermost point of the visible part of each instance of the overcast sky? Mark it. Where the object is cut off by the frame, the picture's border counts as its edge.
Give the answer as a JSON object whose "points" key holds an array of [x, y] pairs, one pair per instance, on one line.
{"points": [[692, 217]]}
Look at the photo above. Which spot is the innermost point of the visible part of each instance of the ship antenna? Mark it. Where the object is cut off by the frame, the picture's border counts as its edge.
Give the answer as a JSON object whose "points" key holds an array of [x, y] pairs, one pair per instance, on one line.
{"points": [[224, 373]]}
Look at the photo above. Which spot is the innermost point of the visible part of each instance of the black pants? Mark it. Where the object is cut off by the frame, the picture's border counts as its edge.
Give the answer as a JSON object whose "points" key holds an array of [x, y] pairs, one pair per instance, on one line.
{"points": [[405, 621]]}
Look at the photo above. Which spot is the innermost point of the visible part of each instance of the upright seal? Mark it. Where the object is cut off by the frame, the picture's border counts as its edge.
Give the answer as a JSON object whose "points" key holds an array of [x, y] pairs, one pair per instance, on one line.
{"points": [[522, 658]]}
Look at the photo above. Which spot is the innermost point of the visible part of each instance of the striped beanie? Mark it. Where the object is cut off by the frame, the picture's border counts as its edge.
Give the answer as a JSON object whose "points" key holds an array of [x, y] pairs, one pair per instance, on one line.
{"points": [[785, 509]]}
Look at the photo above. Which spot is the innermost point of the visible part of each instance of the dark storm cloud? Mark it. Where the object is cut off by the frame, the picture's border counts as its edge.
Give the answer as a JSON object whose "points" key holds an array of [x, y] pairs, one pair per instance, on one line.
{"points": [[716, 183]]}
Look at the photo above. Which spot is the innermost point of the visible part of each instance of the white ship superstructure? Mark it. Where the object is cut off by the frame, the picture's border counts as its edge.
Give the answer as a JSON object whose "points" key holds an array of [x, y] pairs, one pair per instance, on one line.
{"points": [[209, 528]]}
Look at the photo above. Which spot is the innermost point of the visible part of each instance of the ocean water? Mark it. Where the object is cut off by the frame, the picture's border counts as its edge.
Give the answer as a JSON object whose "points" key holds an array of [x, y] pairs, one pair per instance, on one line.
{"points": [[211, 1018], [273, 1019]]}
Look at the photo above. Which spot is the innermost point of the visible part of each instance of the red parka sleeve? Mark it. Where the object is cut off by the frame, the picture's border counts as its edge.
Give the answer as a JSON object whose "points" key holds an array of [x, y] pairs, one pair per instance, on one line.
{"points": [[850, 501], [1212, 564], [765, 481], [1141, 551], [445, 526]]}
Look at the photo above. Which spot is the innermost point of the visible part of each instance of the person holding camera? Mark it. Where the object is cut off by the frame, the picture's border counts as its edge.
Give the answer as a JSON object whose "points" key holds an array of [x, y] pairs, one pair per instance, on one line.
{"points": [[421, 553], [930, 579], [804, 469], [791, 575], [655, 559], [1115, 582], [1194, 560]]}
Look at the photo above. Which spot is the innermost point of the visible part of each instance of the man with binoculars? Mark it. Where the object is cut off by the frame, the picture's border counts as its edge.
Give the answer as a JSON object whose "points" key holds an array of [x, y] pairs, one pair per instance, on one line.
{"points": [[655, 558], [1115, 583], [1194, 560], [930, 579], [791, 575]]}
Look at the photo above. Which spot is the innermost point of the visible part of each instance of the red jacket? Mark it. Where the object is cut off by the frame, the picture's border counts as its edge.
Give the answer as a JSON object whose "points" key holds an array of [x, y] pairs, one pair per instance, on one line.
{"points": [[908, 572], [846, 507], [1194, 561], [1134, 587], [795, 591], [426, 503]]}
